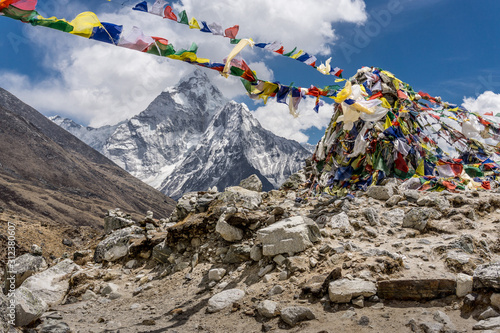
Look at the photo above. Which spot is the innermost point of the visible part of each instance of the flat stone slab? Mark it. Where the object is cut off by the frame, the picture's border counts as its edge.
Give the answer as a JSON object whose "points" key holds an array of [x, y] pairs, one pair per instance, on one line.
{"points": [[416, 290]]}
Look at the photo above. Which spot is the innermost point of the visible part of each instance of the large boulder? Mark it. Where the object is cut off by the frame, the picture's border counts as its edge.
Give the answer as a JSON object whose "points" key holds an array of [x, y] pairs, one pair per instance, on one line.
{"points": [[417, 218], [292, 235], [52, 285], [224, 299], [228, 232], [380, 192], [343, 290], [116, 219], [117, 245], [29, 307], [239, 196], [24, 267], [487, 276], [252, 183]]}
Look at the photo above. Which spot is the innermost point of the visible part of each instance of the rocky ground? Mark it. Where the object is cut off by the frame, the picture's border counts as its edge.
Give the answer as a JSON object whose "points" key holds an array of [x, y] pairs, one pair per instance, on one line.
{"points": [[387, 260]]}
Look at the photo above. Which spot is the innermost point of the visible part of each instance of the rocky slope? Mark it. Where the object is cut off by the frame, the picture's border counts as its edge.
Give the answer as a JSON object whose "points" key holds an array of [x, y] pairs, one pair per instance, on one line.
{"points": [[386, 260], [47, 173], [192, 138]]}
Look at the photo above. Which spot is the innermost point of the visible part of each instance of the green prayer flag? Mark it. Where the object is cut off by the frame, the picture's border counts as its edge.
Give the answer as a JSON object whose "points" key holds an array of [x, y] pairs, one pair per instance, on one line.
{"points": [[289, 54], [19, 14], [183, 18]]}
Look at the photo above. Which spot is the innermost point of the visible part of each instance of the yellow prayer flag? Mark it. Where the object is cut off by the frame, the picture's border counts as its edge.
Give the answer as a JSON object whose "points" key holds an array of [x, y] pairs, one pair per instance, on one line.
{"points": [[388, 122], [298, 54], [193, 24], [420, 168], [84, 24], [385, 103]]}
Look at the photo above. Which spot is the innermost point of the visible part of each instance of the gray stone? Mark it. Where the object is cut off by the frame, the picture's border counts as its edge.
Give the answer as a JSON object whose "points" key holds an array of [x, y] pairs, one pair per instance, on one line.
{"points": [[88, 295], [115, 219], [216, 274], [237, 253], [394, 200], [185, 205], [29, 307], [291, 235], [412, 195], [487, 276], [264, 270], [464, 284], [295, 314], [256, 253], [161, 253], [417, 218], [380, 192], [488, 324], [341, 222], [343, 290], [54, 326], [296, 263], [280, 260], [240, 196], [25, 266], [228, 232], [268, 309], [117, 244], [444, 319], [114, 295], [252, 183], [52, 285], [109, 288], [294, 181], [359, 302], [276, 290], [36, 250], [372, 216], [438, 201], [371, 232], [488, 313], [224, 299], [7, 312], [495, 300], [394, 216], [431, 327]]}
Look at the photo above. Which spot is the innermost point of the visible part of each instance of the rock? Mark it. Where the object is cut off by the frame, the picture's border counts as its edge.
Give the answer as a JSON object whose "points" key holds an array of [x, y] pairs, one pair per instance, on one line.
{"points": [[341, 223], [444, 319], [431, 327], [228, 232], [297, 264], [488, 313], [380, 192], [364, 321], [457, 261], [359, 302], [394, 200], [88, 295], [116, 219], [109, 288], [295, 314], [464, 284], [25, 266], [412, 195], [117, 244], [161, 253], [224, 299], [371, 232], [54, 326], [237, 253], [256, 253], [318, 284], [291, 235], [417, 218], [488, 324], [487, 276], [67, 242], [29, 307], [343, 290], [216, 274], [372, 216], [268, 309], [495, 300], [264, 270], [438, 201], [294, 181], [114, 295], [240, 196], [416, 290], [36, 250], [276, 290], [52, 285], [252, 183], [7, 312]]}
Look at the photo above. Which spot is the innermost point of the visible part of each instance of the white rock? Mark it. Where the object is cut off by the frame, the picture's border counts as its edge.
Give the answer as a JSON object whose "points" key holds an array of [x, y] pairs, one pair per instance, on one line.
{"points": [[343, 290], [224, 299], [293, 315], [488, 324], [228, 232], [341, 222], [52, 285], [464, 284], [216, 274], [29, 307], [268, 309], [88, 295], [291, 235]]}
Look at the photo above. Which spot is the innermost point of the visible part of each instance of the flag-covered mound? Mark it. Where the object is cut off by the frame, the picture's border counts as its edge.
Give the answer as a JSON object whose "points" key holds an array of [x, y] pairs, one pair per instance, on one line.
{"points": [[382, 128]]}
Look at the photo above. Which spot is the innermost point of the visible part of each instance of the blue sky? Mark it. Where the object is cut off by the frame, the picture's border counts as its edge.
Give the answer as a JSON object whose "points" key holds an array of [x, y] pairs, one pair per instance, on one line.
{"points": [[448, 48]]}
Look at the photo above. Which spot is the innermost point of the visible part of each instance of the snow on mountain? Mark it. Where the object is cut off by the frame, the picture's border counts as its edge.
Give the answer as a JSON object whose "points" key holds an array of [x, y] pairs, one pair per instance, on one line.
{"points": [[191, 138]]}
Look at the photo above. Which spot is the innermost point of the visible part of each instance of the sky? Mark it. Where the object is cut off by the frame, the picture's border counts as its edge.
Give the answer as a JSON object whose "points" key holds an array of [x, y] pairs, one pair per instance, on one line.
{"points": [[447, 48]]}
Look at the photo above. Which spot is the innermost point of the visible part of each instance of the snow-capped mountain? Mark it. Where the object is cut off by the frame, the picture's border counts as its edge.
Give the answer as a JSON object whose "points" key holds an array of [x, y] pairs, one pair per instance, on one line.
{"points": [[191, 138]]}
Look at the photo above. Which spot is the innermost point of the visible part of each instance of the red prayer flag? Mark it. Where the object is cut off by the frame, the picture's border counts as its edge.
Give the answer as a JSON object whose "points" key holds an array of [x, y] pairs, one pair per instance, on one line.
{"points": [[169, 14], [401, 163], [489, 113], [232, 32], [402, 95], [486, 185], [377, 95]]}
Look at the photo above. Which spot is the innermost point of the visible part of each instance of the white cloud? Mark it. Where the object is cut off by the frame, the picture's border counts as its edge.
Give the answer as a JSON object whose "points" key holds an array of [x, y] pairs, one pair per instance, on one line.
{"points": [[99, 84], [486, 102], [276, 118]]}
